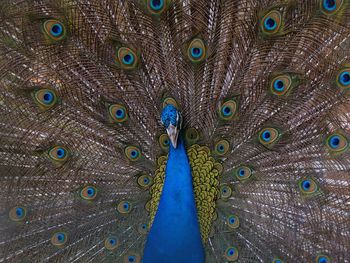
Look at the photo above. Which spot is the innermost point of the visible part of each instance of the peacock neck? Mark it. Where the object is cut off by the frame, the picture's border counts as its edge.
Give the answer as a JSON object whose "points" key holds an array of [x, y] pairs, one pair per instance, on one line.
{"points": [[175, 235]]}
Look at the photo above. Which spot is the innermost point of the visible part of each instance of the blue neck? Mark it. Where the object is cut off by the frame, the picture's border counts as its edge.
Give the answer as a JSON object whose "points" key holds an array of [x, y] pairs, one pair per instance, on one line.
{"points": [[174, 236]]}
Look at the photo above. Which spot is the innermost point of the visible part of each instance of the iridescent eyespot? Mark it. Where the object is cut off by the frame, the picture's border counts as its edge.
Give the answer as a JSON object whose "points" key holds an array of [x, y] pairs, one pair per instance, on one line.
{"points": [[269, 136], [58, 155], [157, 7], [118, 113], [45, 98], [271, 22], [281, 85], [337, 143], [222, 147], [59, 239], [112, 243], [192, 136], [330, 7], [323, 259], [232, 222], [196, 51], [126, 58], [343, 79], [164, 142], [17, 213], [88, 193], [124, 207], [132, 257], [308, 186], [228, 110], [243, 172], [225, 191], [143, 229], [231, 254], [277, 260], [54, 30], [145, 181], [132, 153]]}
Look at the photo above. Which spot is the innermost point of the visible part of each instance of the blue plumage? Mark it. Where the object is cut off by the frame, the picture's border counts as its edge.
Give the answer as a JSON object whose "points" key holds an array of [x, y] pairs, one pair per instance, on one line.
{"points": [[170, 116], [174, 236]]}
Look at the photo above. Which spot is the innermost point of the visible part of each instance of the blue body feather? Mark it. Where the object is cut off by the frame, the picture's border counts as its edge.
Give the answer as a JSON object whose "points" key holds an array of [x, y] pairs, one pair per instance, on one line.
{"points": [[175, 236]]}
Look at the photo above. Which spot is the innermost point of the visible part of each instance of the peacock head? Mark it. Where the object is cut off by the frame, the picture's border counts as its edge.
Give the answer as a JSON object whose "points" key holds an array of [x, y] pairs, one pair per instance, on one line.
{"points": [[171, 119]]}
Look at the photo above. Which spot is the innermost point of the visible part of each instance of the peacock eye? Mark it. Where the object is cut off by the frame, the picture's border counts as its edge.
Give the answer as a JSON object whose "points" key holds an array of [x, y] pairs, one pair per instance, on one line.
{"points": [[271, 22], [144, 181], [132, 153], [196, 51], [243, 173], [157, 7], [337, 143], [156, 4], [191, 135], [124, 207], [268, 136], [112, 243], [323, 259], [132, 258], [126, 58], [17, 213], [222, 147], [228, 110], [308, 186], [59, 239], [232, 222], [330, 7], [231, 254], [143, 229], [225, 191], [88, 193], [343, 79], [164, 142], [58, 155], [277, 260], [280, 85], [45, 98], [54, 30], [118, 113]]}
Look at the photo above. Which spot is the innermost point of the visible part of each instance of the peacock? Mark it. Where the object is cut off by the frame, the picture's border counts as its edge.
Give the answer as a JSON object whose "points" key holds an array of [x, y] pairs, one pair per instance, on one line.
{"points": [[175, 131]]}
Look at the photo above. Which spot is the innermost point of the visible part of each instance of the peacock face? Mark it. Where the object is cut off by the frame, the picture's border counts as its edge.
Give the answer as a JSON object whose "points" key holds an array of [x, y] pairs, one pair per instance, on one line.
{"points": [[171, 119]]}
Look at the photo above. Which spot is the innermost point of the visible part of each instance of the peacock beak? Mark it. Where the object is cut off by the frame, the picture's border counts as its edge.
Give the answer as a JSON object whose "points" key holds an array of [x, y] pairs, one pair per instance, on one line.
{"points": [[173, 133]]}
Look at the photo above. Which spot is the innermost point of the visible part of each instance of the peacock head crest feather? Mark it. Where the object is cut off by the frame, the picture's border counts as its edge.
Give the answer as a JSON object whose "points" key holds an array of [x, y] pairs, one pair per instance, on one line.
{"points": [[172, 121]]}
